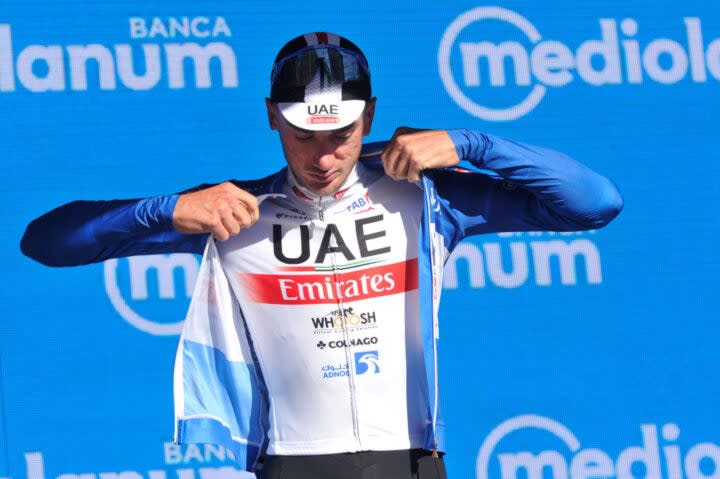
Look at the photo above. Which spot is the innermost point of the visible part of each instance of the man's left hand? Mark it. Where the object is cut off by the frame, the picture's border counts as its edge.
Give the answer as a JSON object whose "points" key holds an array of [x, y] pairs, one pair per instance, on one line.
{"points": [[410, 151]]}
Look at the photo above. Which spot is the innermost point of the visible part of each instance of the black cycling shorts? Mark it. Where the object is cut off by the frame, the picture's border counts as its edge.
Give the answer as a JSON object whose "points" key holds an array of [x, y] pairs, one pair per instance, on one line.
{"points": [[405, 464]]}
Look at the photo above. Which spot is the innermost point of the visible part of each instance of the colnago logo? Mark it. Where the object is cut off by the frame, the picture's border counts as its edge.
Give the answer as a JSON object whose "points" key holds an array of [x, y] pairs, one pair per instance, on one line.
{"points": [[152, 292], [541, 257], [617, 57], [658, 457], [347, 343], [42, 68], [298, 288]]}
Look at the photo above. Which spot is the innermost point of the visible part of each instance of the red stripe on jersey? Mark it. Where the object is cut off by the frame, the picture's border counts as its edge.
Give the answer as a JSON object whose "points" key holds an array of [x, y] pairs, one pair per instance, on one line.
{"points": [[300, 194], [303, 269], [340, 193], [330, 288], [322, 38]]}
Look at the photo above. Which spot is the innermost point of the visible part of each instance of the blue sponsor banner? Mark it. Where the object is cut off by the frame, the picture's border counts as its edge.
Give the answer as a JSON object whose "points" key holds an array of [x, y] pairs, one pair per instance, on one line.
{"points": [[571, 355]]}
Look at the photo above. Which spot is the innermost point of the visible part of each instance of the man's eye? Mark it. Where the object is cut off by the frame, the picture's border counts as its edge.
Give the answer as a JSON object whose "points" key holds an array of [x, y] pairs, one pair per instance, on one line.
{"points": [[304, 139], [341, 137]]}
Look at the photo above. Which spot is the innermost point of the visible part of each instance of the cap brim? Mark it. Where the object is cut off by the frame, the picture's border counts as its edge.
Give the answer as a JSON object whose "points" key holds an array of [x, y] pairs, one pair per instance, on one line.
{"points": [[322, 116]]}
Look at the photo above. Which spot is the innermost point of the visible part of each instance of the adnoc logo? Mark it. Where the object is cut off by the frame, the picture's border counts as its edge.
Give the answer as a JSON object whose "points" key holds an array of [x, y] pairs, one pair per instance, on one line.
{"points": [[538, 64], [367, 362], [152, 292], [658, 457]]}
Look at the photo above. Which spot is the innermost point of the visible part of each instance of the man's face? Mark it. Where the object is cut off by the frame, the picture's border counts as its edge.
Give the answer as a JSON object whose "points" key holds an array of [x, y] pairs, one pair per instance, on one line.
{"points": [[321, 160]]}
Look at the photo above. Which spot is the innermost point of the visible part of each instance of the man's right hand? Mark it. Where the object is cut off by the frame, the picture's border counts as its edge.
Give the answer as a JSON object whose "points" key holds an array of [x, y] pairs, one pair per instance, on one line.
{"points": [[222, 210]]}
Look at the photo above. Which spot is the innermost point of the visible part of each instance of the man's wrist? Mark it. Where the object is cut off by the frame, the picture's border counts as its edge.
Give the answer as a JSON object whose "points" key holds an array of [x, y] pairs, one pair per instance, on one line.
{"points": [[156, 213], [470, 145]]}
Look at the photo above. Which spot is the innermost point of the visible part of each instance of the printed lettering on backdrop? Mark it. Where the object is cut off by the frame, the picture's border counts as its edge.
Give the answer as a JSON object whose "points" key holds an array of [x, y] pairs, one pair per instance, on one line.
{"points": [[649, 279], [202, 461], [115, 65], [657, 455], [540, 64]]}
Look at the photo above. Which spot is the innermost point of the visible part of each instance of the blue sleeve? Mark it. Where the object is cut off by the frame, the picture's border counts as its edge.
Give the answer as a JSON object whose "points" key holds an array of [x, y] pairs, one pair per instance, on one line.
{"points": [[83, 232], [528, 189]]}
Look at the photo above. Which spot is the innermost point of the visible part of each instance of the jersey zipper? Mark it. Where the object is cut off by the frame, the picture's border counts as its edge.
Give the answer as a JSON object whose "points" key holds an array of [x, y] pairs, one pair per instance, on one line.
{"points": [[346, 338]]}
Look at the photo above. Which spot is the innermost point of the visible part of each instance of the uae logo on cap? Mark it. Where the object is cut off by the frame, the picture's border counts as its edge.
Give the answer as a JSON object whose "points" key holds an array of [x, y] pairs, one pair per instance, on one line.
{"points": [[322, 114]]}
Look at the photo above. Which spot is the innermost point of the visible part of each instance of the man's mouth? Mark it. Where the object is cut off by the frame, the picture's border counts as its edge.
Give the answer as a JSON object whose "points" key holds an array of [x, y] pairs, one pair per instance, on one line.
{"points": [[324, 178]]}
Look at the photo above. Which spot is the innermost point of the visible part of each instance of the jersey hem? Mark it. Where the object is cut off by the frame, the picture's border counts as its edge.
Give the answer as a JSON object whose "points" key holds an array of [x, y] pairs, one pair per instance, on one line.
{"points": [[337, 445]]}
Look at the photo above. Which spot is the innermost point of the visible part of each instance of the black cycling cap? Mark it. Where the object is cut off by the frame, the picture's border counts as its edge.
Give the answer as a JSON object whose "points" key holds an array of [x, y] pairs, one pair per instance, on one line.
{"points": [[320, 81]]}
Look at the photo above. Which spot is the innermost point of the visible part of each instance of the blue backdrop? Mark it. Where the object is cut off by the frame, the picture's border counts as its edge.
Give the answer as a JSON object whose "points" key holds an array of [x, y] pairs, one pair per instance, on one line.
{"points": [[578, 355]]}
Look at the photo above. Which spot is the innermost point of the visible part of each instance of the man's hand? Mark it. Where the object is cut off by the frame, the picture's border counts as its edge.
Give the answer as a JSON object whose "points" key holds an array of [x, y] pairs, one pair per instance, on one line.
{"points": [[411, 151], [222, 210]]}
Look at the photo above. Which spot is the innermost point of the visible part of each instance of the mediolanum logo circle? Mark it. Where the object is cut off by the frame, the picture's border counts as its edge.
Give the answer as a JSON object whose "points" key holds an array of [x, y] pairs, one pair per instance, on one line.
{"points": [[477, 61], [471, 53], [152, 292]]}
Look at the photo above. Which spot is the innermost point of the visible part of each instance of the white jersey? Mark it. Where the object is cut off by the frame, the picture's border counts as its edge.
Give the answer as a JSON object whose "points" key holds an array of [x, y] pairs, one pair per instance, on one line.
{"points": [[328, 288], [315, 330]]}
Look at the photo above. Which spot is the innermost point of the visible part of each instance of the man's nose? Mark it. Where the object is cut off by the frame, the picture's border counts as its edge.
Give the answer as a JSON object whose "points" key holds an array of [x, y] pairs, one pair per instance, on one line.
{"points": [[325, 154], [325, 161]]}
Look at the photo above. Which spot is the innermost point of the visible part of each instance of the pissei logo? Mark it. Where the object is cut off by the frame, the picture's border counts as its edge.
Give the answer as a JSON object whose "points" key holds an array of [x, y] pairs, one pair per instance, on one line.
{"points": [[472, 65]]}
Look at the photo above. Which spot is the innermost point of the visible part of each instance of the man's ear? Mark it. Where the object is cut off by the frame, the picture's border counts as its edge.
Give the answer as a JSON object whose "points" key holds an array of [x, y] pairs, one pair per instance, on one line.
{"points": [[369, 114], [272, 113]]}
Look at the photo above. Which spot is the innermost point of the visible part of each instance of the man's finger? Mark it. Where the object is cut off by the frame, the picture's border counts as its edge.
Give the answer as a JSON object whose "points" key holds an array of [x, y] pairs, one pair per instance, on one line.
{"points": [[414, 174], [243, 217], [403, 167], [389, 157], [391, 153], [249, 201], [230, 225], [219, 231]]}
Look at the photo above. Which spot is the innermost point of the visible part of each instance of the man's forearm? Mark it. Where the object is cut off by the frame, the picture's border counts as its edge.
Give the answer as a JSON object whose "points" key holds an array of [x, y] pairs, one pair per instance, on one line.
{"points": [[565, 186], [83, 232]]}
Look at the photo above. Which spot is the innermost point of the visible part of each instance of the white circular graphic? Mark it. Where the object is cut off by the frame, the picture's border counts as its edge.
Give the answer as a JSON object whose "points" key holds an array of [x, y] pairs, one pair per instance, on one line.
{"points": [[127, 313], [451, 33], [515, 424]]}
